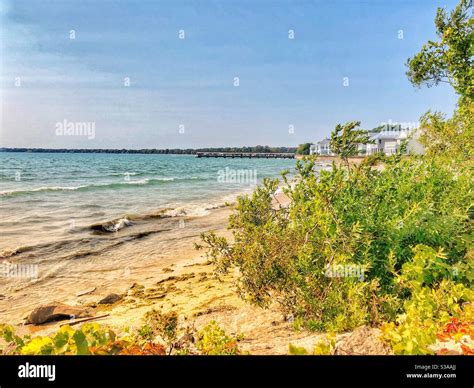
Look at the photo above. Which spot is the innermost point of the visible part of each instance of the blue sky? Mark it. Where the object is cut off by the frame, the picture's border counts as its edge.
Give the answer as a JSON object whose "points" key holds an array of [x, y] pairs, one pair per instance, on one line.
{"points": [[190, 82]]}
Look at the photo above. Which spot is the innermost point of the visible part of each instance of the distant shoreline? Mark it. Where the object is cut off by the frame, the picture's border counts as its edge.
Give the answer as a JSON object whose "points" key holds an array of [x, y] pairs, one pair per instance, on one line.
{"points": [[146, 151]]}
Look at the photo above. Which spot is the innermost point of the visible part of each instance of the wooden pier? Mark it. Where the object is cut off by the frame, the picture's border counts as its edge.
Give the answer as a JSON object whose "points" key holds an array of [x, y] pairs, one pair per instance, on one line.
{"points": [[262, 155]]}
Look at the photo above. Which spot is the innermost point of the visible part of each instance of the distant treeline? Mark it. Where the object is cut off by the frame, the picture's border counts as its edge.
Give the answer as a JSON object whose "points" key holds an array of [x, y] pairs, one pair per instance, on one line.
{"points": [[188, 151]]}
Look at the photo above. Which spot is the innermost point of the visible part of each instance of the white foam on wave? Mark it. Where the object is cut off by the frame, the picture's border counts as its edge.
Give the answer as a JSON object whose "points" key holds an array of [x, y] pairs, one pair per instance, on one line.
{"points": [[187, 210], [37, 189], [112, 226], [144, 181], [203, 209], [118, 224]]}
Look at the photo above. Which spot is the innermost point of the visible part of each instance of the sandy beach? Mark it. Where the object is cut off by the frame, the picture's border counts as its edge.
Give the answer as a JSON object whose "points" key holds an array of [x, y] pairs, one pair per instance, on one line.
{"points": [[161, 271], [166, 245], [155, 267]]}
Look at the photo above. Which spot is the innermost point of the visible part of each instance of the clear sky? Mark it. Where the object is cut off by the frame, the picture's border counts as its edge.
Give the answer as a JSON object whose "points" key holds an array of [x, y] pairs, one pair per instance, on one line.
{"points": [[189, 84]]}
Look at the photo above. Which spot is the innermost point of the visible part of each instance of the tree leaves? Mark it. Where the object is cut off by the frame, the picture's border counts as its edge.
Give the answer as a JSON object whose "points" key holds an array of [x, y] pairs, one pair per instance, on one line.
{"points": [[451, 59], [345, 140]]}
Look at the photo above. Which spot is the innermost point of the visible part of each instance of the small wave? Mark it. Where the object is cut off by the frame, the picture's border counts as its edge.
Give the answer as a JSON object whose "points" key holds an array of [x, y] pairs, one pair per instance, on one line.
{"points": [[7, 253], [187, 211], [124, 173], [12, 252], [111, 226], [39, 189], [193, 210], [112, 185], [162, 213], [14, 193]]}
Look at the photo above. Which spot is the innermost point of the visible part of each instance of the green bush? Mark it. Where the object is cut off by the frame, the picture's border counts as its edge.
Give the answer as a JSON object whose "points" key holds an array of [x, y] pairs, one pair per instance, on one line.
{"points": [[162, 324], [96, 339], [324, 347], [297, 350], [362, 217], [436, 296], [91, 338], [212, 340]]}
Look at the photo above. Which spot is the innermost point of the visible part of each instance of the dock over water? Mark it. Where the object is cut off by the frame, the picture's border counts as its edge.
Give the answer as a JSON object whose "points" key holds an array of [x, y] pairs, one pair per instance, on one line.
{"points": [[263, 155]]}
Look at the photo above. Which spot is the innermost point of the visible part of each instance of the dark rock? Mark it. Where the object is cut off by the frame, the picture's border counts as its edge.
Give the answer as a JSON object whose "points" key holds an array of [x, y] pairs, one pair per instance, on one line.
{"points": [[110, 299], [55, 312]]}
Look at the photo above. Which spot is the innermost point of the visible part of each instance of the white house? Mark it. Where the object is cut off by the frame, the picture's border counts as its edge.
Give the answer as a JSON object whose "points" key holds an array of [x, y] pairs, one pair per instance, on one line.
{"points": [[387, 141], [321, 148], [391, 138]]}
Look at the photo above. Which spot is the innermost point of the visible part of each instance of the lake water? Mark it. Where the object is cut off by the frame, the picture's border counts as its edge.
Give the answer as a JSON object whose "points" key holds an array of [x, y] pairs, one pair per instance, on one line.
{"points": [[53, 197]]}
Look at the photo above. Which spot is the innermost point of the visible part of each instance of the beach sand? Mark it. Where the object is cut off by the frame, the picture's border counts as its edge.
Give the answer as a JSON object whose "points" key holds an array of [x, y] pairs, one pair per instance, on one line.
{"points": [[155, 266], [161, 271], [111, 266]]}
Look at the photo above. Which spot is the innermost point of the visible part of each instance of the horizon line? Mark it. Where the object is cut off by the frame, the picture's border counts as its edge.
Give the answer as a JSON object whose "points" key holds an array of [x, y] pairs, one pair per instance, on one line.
{"points": [[139, 150]]}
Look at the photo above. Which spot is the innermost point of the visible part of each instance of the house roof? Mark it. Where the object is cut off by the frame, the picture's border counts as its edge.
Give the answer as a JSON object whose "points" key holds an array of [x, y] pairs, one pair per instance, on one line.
{"points": [[390, 135], [393, 134], [324, 141]]}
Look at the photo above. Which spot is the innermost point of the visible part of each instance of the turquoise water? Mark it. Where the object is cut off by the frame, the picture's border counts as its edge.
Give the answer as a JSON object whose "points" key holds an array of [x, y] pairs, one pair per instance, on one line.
{"points": [[43, 196]]}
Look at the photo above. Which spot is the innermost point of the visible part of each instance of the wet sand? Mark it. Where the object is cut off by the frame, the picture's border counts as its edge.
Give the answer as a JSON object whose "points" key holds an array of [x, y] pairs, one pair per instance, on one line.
{"points": [[109, 263]]}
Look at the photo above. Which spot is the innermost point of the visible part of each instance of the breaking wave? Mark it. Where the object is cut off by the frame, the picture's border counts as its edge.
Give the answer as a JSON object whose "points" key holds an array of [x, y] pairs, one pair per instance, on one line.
{"points": [[100, 186]]}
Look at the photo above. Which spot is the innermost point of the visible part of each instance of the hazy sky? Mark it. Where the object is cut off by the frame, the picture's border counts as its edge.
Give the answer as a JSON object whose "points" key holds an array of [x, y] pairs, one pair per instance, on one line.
{"points": [[47, 77]]}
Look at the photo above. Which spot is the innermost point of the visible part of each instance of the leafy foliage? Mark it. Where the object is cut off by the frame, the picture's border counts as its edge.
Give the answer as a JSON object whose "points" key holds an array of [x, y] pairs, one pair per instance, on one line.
{"points": [[360, 216], [297, 350], [326, 346], [453, 137], [164, 325], [437, 294], [407, 225], [345, 140], [212, 340], [159, 336], [303, 149], [374, 159], [91, 338], [461, 334], [451, 58]]}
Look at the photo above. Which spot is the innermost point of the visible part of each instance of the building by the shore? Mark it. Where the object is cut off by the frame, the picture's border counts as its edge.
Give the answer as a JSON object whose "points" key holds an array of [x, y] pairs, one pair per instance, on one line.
{"points": [[387, 141], [321, 148]]}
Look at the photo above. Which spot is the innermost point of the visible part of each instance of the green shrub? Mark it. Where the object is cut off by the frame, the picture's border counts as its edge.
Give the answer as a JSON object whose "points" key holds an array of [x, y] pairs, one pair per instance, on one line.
{"points": [[436, 296], [91, 338], [96, 339], [325, 347], [176, 339], [162, 324], [345, 217], [374, 159], [212, 340], [297, 350]]}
